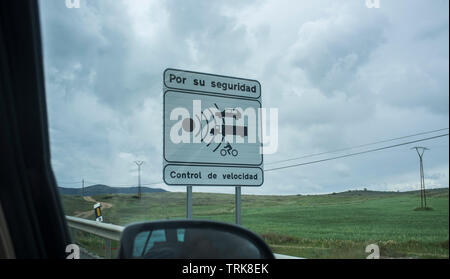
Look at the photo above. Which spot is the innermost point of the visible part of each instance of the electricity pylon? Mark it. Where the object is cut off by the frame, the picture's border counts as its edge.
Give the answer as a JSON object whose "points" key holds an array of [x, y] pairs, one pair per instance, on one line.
{"points": [[423, 198], [139, 163]]}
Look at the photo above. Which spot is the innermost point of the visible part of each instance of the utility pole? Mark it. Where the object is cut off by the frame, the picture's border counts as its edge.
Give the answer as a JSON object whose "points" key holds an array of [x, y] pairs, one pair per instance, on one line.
{"points": [[423, 198], [82, 187], [139, 163]]}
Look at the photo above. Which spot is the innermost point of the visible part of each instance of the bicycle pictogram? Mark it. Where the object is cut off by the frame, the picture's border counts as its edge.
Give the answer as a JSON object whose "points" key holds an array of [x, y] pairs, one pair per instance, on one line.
{"points": [[228, 149]]}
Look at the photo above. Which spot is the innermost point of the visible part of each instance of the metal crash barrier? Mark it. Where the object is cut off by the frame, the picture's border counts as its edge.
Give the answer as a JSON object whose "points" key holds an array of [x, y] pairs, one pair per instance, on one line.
{"points": [[106, 231], [110, 232]]}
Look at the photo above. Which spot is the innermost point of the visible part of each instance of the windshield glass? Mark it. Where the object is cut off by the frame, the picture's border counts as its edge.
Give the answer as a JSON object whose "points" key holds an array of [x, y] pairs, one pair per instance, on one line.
{"points": [[331, 116]]}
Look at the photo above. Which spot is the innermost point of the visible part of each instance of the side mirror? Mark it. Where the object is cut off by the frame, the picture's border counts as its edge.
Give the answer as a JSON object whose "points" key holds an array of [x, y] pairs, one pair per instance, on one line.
{"points": [[191, 240]]}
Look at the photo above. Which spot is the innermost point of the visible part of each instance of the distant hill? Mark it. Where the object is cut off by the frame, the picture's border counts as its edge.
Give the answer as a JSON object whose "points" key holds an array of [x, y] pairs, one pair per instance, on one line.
{"points": [[100, 189], [429, 192]]}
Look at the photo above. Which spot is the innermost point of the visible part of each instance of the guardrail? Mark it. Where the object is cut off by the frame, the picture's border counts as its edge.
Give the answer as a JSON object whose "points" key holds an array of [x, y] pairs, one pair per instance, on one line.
{"points": [[107, 231], [111, 232]]}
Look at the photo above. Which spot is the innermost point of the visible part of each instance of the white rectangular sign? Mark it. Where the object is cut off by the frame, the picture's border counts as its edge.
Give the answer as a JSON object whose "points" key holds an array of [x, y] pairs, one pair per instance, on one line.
{"points": [[212, 175], [209, 83], [212, 125]]}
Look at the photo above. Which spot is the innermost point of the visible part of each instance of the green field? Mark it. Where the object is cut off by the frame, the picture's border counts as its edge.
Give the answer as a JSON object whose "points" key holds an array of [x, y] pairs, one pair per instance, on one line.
{"points": [[315, 226]]}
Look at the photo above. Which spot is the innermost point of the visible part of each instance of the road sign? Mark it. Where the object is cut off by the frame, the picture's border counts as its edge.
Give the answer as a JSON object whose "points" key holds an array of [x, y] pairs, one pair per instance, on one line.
{"points": [[212, 128], [212, 175], [212, 84]]}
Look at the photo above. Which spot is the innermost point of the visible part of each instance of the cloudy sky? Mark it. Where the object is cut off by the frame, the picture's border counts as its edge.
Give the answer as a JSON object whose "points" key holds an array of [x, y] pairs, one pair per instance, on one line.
{"points": [[340, 74]]}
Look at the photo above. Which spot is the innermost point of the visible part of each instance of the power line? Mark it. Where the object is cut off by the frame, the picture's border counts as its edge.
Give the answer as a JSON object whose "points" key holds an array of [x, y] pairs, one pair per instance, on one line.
{"points": [[354, 147], [357, 153], [317, 161]]}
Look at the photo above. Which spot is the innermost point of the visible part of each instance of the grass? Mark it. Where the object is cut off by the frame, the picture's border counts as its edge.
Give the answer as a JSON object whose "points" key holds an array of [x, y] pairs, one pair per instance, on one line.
{"points": [[423, 208], [321, 226]]}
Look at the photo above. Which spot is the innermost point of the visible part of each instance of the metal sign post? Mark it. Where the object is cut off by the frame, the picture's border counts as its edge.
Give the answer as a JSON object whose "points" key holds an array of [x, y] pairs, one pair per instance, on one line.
{"points": [[188, 202], [238, 205]]}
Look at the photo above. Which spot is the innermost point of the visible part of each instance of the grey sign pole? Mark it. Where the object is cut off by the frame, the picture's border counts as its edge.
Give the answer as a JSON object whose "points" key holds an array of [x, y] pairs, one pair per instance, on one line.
{"points": [[238, 205], [189, 202]]}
